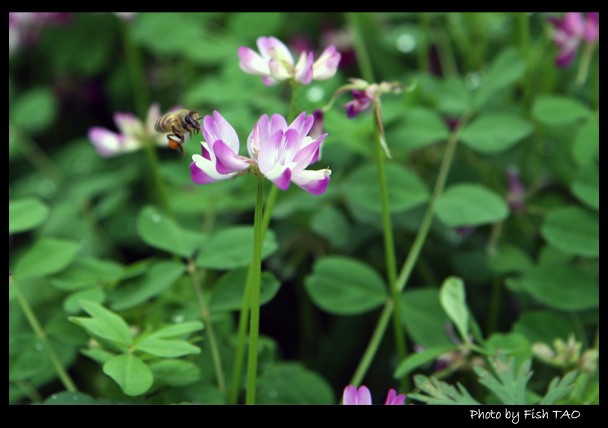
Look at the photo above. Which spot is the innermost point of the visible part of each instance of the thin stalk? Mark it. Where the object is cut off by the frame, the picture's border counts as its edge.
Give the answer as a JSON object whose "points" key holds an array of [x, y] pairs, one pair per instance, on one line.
{"points": [[39, 159], [389, 251], [215, 352], [424, 49], [135, 62], [254, 326], [156, 185], [237, 368], [412, 256], [583, 68], [389, 245], [31, 317]]}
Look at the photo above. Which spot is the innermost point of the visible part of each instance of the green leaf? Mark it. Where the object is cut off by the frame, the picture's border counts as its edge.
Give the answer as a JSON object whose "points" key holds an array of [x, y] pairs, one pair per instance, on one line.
{"points": [[99, 355], [543, 326], [136, 291], [453, 97], [453, 301], [175, 330], [86, 272], [419, 358], [104, 323], [419, 128], [495, 132], [232, 248], [441, 393], [561, 286], [34, 111], [573, 230], [512, 344], [290, 383], [510, 389], [25, 214], [47, 256], [72, 303], [330, 223], [469, 204], [559, 389], [405, 189], [162, 231], [229, 290], [345, 286], [586, 186], [252, 24], [587, 142], [423, 317], [509, 258], [27, 357], [166, 348], [507, 68], [175, 372], [130, 373], [558, 110]]}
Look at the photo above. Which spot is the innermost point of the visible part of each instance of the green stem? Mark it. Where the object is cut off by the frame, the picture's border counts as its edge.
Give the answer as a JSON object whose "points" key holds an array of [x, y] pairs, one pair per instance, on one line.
{"points": [[31, 317], [137, 73], [39, 159], [254, 326], [583, 68], [408, 266], [237, 368], [389, 251], [215, 352], [389, 245], [156, 185], [424, 49]]}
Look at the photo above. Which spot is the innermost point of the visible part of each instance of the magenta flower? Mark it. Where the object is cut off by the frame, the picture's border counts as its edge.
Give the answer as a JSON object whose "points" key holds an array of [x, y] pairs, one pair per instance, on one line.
{"points": [[283, 152], [276, 63], [132, 133], [570, 31], [279, 152], [361, 101], [362, 396], [364, 94], [220, 159]]}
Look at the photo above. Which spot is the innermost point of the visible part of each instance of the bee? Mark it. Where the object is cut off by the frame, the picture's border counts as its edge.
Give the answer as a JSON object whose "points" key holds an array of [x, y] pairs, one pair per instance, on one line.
{"points": [[179, 123]]}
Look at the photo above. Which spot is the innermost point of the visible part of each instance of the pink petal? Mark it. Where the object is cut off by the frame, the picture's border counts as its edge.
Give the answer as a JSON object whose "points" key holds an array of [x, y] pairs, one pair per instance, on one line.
{"points": [[251, 62], [305, 73], [364, 396], [314, 182], [277, 122], [203, 171], [307, 153], [394, 399], [279, 175], [106, 142], [128, 123], [327, 64], [227, 160], [349, 397], [269, 81], [271, 47], [268, 156], [278, 70]]}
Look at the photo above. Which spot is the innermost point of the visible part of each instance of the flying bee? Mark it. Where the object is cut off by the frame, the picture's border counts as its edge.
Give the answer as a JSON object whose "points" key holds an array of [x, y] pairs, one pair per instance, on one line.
{"points": [[179, 123]]}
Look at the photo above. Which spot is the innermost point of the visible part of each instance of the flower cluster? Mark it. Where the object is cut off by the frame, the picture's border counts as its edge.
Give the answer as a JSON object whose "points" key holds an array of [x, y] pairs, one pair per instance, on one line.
{"points": [[276, 63], [570, 31], [362, 396], [131, 136], [277, 151]]}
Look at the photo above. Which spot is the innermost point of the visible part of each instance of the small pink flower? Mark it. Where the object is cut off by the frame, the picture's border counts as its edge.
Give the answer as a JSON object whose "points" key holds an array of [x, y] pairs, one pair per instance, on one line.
{"points": [[276, 64], [362, 396], [131, 135], [570, 31]]}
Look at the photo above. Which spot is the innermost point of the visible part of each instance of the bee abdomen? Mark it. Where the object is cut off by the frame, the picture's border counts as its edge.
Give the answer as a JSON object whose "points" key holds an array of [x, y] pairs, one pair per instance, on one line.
{"points": [[161, 123]]}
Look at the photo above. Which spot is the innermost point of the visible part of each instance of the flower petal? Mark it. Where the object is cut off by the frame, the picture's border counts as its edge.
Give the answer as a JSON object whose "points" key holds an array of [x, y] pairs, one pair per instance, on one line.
{"points": [[364, 396], [203, 171], [128, 123], [304, 74], [269, 154], [314, 182], [327, 64], [306, 154], [349, 397], [227, 160], [271, 47], [217, 128], [106, 142], [251, 62], [278, 70], [280, 175]]}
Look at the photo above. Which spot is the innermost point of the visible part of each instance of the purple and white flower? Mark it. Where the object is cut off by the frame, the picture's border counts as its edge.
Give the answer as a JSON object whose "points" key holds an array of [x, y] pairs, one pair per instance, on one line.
{"points": [[131, 135], [570, 31], [283, 152], [278, 151], [220, 159], [276, 64]]}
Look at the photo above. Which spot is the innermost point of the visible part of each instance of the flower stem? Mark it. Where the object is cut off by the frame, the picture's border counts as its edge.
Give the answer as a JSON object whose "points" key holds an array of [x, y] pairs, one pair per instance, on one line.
{"points": [[135, 63], [254, 326], [412, 256], [215, 352], [31, 317], [389, 246]]}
